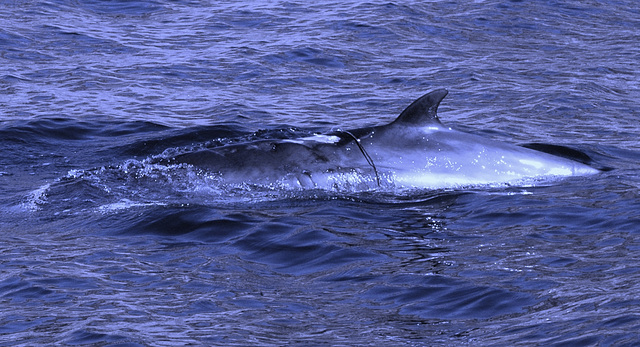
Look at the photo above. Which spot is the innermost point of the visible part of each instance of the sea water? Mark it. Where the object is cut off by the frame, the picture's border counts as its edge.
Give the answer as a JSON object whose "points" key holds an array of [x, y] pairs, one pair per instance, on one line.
{"points": [[101, 246]]}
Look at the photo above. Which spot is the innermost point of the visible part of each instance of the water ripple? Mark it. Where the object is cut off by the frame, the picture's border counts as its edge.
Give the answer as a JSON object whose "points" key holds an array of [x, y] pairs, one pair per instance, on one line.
{"points": [[99, 245]]}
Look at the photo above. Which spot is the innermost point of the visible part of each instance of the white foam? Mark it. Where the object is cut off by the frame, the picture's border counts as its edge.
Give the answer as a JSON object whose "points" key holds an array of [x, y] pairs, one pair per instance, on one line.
{"points": [[36, 198], [125, 204]]}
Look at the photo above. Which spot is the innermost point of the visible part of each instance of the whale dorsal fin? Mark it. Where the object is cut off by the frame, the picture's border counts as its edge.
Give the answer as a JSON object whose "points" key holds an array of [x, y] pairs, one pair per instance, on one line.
{"points": [[423, 110]]}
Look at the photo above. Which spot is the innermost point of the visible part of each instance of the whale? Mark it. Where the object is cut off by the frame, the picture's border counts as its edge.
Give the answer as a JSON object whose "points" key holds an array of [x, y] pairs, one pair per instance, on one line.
{"points": [[415, 150]]}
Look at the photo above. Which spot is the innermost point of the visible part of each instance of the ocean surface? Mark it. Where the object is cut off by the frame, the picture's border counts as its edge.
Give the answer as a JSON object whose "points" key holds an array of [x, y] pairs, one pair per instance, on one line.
{"points": [[100, 245]]}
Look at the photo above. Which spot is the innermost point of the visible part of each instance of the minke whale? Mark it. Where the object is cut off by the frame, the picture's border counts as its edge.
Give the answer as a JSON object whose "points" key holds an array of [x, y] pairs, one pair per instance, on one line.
{"points": [[414, 151]]}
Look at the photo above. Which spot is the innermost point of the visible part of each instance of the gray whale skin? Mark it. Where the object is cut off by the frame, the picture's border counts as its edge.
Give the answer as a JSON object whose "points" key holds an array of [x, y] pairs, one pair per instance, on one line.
{"points": [[414, 151]]}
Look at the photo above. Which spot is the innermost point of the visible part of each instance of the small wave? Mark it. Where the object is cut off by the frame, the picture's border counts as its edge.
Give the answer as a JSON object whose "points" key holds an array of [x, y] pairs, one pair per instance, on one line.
{"points": [[36, 198], [70, 129], [123, 8]]}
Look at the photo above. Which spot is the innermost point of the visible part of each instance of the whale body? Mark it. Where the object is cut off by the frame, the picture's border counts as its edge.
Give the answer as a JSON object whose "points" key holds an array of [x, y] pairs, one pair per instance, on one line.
{"points": [[415, 151]]}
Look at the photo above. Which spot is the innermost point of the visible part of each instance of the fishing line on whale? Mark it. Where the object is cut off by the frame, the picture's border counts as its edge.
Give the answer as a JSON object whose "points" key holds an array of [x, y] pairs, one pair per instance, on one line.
{"points": [[366, 155]]}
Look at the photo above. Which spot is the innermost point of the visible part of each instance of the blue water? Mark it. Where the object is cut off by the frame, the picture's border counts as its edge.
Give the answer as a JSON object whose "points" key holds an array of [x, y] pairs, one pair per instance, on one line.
{"points": [[99, 246]]}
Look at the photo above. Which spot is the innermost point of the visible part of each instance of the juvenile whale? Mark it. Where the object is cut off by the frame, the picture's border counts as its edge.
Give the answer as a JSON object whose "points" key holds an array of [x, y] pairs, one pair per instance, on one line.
{"points": [[415, 150]]}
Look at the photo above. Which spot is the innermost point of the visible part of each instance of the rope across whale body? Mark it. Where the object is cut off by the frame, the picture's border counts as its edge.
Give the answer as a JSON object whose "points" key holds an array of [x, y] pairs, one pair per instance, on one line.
{"points": [[366, 155]]}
